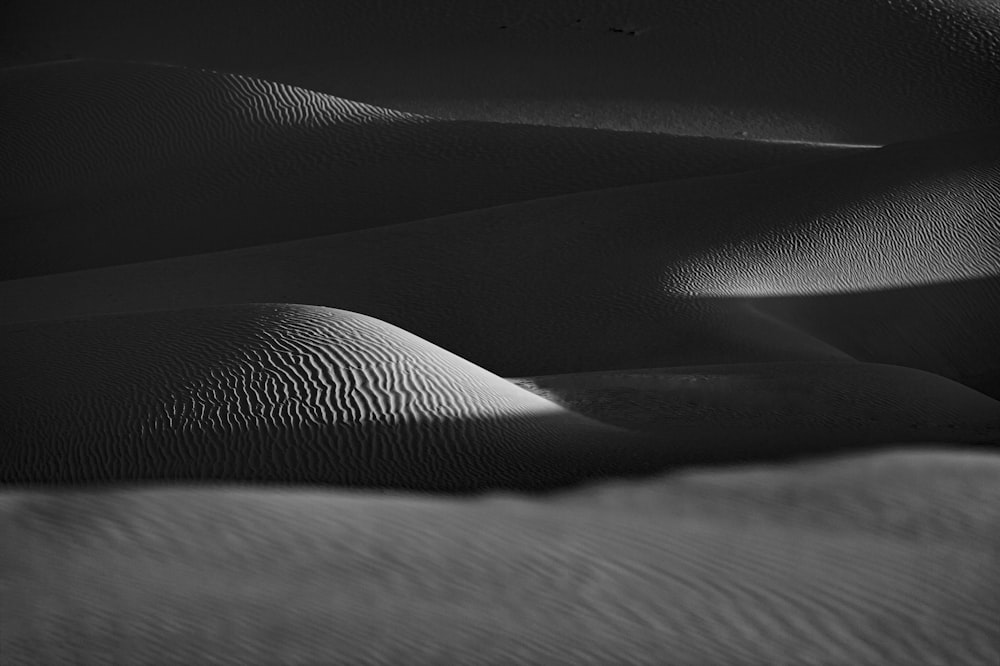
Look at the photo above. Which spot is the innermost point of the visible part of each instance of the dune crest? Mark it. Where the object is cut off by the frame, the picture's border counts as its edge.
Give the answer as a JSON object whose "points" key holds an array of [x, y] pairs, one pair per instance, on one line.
{"points": [[155, 161], [282, 393], [604, 280], [446, 332], [868, 72]]}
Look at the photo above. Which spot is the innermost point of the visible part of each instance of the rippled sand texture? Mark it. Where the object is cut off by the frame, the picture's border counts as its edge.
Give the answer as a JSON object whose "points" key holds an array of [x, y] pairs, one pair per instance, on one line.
{"points": [[887, 256], [282, 394], [209, 160], [500, 333], [824, 70], [886, 559]]}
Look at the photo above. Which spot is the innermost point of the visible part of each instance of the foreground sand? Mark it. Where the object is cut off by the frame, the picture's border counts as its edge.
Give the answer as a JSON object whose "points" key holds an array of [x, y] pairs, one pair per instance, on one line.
{"points": [[887, 559]]}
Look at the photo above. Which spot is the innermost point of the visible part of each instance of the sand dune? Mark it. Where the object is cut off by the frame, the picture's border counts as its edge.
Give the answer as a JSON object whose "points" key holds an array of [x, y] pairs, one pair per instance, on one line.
{"points": [[282, 393], [144, 162], [789, 264], [779, 408], [278, 393], [884, 560], [871, 72], [748, 353]]}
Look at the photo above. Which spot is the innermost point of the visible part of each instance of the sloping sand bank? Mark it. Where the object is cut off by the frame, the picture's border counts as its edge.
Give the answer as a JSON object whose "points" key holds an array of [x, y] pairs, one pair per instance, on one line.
{"points": [[779, 408], [282, 394], [889, 256], [828, 70], [140, 161]]}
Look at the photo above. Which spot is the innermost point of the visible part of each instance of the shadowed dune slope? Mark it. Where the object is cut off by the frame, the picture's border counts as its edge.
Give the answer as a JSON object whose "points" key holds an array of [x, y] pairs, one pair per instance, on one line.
{"points": [[888, 256], [868, 72], [780, 407], [281, 393], [143, 162], [889, 559]]}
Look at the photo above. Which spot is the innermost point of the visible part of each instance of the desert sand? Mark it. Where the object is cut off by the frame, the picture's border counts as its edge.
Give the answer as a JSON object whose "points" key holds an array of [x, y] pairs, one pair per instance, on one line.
{"points": [[283, 394], [763, 409], [887, 559], [500, 333], [888, 256], [824, 70], [298, 394], [209, 161]]}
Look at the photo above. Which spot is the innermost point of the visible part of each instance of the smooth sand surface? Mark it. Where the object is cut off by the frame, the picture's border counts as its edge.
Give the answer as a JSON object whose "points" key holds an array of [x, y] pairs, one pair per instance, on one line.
{"points": [[279, 393], [784, 407], [143, 162], [886, 559], [890, 256], [861, 72]]}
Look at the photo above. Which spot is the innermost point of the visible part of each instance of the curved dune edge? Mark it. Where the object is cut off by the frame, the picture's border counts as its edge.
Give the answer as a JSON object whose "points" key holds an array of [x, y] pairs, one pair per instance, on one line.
{"points": [[283, 394], [889, 559], [141, 161], [826, 70], [654, 219], [780, 405], [787, 264]]}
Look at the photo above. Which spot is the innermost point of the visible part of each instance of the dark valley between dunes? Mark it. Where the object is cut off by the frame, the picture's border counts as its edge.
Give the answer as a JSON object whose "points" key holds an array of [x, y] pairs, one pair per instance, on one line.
{"points": [[570, 332]]}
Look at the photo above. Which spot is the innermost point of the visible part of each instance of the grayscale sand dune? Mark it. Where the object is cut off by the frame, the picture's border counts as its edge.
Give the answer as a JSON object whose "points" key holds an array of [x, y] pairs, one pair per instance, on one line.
{"points": [[144, 162], [889, 559], [865, 72], [293, 394], [279, 393], [739, 263], [890, 256], [780, 408]]}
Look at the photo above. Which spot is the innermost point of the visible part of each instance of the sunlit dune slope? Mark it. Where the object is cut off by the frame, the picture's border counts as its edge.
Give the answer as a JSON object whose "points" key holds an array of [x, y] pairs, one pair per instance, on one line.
{"points": [[870, 72], [141, 162], [889, 559], [465, 332], [780, 407], [281, 393], [887, 256]]}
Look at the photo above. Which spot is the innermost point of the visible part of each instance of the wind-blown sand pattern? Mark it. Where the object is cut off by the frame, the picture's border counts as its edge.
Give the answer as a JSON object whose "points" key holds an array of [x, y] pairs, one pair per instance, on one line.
{"points": [[780, 264], [694, 568], [500, 333], [869, 72], [209, 160], [282, 394]]}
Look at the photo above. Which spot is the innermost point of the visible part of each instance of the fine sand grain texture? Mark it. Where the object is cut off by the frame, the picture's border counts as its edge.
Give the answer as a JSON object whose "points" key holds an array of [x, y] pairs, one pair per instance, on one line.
{"points": [[144, 162], [862, 72], [890, 559], [890, 256], [278, 393]]}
